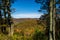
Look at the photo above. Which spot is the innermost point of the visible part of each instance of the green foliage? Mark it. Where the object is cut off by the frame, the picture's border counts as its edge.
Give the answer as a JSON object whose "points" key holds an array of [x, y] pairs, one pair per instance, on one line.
{"points": [[39, 36], [29, 29], [3, 37], [26, 31]]}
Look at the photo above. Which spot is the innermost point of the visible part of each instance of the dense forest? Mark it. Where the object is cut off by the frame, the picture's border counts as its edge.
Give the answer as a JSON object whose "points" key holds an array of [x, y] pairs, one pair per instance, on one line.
{"points": [[47, 27]]}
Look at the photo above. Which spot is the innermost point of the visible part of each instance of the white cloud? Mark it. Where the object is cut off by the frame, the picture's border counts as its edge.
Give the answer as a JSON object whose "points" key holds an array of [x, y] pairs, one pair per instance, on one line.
{"points": [[26, 15]]}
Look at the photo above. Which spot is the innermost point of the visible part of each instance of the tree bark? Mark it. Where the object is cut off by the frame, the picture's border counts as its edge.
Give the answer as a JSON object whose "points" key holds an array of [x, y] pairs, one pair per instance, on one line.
{"points": [[51, 20], [54, 19]]}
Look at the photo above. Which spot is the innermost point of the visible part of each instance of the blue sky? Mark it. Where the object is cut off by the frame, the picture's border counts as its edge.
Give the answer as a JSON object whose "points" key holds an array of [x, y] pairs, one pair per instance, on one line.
{"points": [[26, 9]]}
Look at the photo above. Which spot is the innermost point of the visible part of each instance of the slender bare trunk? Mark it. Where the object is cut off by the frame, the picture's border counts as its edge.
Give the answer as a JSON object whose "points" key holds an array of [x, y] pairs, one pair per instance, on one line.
{"points": [[51, 20], [54, 19]]}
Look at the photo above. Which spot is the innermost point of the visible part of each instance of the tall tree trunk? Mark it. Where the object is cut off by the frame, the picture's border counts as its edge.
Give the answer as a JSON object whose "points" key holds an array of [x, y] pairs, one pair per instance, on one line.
{"points": [[54, 19], [11, 30], [9, 19], [51, 20]]}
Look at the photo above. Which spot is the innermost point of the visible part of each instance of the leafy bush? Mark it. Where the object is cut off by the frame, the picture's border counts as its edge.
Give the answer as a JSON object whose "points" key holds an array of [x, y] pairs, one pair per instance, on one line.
{"points": [[39, 35]]}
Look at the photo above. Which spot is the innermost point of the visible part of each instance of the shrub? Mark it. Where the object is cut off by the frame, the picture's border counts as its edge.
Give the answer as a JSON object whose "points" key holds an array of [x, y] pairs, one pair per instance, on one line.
{"points": [[39, 35]]}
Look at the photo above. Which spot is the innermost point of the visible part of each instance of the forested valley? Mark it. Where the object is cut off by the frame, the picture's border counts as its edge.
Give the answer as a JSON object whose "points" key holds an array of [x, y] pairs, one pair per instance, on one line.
{"points": [[46, 27]]}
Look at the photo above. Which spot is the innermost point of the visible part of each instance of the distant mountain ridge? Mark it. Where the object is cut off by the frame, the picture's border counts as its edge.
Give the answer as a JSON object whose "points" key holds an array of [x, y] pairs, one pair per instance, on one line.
{"points": [[17, 20]]}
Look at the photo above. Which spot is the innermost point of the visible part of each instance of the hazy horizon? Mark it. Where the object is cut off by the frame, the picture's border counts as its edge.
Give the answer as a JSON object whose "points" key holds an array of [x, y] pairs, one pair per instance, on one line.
{"points": [[26, 15]]}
